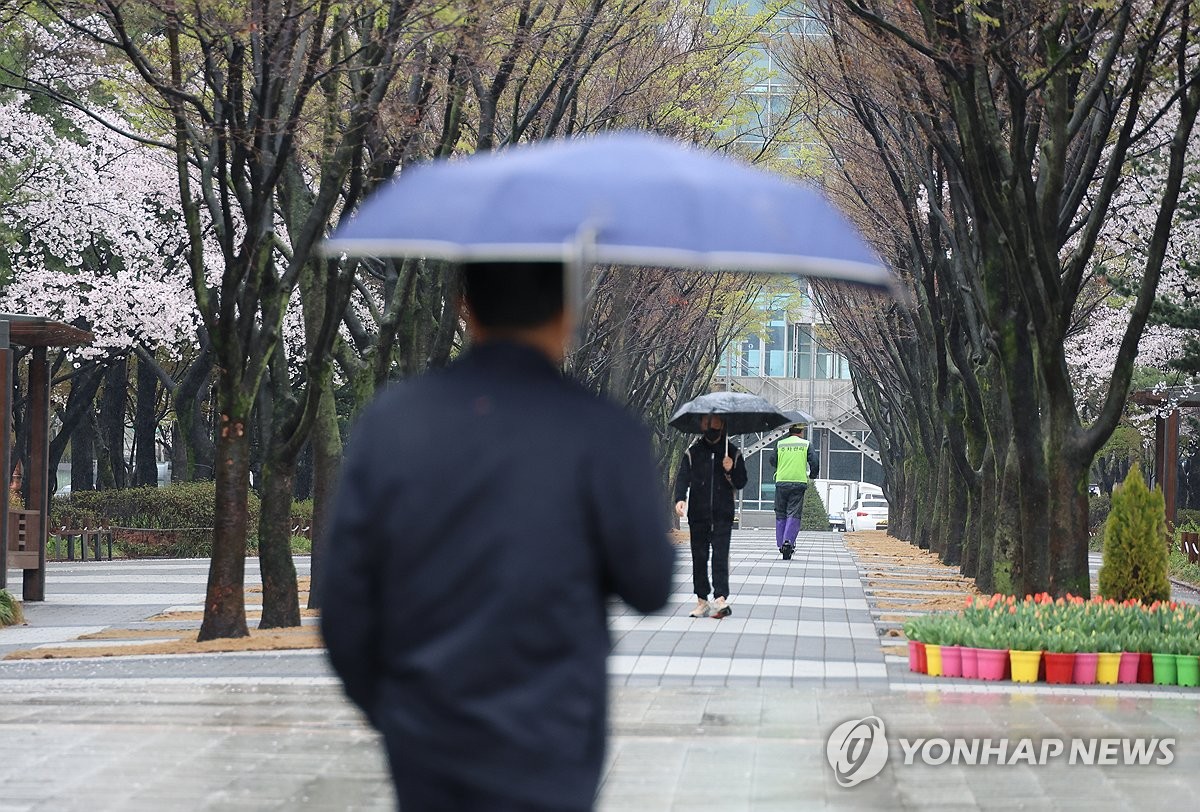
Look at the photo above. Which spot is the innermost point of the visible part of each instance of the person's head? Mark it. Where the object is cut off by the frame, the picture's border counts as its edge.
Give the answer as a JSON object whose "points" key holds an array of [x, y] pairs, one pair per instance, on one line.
{"points": [[797, 429], [517, 301], [713, 428]]}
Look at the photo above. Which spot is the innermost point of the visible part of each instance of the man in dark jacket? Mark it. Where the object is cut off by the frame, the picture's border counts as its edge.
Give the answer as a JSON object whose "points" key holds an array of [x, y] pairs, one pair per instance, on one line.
{"points": [[485, 514], [711, 470]]}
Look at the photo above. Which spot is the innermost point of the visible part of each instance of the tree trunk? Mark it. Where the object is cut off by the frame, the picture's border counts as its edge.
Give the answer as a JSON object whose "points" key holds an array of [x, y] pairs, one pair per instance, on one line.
{"points": [[955, 519], [1068, 507], [197, 445], [327, 456], [145, 426], [83, 454], [281, 603], [110, 452], [225, 601]]}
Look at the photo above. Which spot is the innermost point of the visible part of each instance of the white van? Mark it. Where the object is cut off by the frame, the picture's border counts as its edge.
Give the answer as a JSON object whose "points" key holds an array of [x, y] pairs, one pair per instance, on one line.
{"points": [[839, 494]]}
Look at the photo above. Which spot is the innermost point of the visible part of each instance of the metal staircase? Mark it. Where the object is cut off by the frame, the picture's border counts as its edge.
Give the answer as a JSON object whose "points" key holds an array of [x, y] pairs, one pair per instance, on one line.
{"points": [[784, 399]]}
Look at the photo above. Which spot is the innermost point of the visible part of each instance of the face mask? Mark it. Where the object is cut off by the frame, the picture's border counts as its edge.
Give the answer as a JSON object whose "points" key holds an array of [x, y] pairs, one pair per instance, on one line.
{"points": [[712, 435]]}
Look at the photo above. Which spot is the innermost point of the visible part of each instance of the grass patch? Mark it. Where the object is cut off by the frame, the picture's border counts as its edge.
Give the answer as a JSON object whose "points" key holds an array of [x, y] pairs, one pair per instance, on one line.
{"points": [[1179, 568], [10, 609]]}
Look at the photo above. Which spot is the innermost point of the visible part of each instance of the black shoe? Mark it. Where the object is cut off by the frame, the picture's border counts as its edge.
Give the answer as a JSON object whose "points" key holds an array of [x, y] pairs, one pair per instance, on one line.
{"points": [[787, 551]]}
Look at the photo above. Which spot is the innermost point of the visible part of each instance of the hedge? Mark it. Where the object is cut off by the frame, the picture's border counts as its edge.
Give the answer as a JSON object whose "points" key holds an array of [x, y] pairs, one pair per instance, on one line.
{"points": [[182, 513]]}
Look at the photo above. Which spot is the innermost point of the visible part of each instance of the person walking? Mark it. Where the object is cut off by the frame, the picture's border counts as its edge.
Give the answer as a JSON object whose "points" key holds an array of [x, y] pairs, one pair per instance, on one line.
{"points": [[795, 462], [485, 514], [711, 470]]}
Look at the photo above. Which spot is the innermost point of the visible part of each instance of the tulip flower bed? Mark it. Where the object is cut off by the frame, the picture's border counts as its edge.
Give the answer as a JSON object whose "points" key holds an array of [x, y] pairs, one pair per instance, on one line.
{"points": [[1060, 640]]}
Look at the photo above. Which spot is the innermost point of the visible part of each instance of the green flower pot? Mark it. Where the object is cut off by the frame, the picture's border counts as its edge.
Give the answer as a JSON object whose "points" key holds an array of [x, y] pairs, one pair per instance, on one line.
{"points": [[1164, 669], [1187, 670]]}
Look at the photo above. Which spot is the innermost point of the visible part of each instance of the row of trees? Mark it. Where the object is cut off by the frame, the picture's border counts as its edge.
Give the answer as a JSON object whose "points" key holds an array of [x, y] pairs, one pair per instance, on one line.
{"points": [[1025, 167], [184, 163]]}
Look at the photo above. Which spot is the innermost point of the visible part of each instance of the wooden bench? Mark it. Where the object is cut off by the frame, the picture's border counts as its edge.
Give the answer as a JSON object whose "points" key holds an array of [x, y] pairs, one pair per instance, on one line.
{"points": [[26, 552]]}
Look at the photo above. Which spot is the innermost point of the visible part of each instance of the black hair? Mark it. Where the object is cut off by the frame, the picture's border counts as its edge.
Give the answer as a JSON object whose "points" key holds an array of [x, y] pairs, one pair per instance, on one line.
{"points": [[513, 295]]}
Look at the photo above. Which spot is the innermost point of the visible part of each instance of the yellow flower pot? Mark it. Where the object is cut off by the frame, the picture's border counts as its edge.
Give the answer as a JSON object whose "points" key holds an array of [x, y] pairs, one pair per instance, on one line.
{"points": [[933, 660], [1025, 665], [1107, 666]]}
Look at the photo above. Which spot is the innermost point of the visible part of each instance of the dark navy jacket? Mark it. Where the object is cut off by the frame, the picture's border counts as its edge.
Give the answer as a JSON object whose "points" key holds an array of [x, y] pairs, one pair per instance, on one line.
{"points": [[485, 514], [702, 471]]}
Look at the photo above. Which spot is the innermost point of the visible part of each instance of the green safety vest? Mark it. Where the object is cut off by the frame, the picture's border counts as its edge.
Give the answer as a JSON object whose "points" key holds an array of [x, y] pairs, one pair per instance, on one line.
{"points": [[792, 460]]}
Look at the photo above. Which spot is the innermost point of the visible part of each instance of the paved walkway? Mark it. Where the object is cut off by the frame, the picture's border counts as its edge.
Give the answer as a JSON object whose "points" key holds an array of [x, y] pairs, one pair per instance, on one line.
{"points": [[732, 714]]}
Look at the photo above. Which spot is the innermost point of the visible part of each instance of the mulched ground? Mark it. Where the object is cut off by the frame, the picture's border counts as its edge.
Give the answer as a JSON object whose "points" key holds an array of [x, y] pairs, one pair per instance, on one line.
{"points": [[905, 580], [126, 642]]}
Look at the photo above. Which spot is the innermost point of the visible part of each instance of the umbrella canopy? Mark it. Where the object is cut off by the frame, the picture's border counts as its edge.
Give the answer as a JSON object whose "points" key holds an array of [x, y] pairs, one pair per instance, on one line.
{"points": [[742, 413], [624, 199], [798, 416]]}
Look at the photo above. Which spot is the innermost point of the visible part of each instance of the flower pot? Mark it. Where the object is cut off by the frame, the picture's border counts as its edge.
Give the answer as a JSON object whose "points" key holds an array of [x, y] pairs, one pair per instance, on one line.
{"points": [[1164, 669], [1187, 670], [1108, 667], [1128, 671], [916, 657], [951, 661], [992, 663], [933, 660], [970, 662], [1145, 667], [1060, 666], [1025, 665], [1085, 667]]}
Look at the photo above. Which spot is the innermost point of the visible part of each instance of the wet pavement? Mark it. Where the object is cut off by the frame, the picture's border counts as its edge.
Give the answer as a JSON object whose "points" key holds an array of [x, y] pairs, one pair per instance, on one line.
{"points": [[732, 714]]}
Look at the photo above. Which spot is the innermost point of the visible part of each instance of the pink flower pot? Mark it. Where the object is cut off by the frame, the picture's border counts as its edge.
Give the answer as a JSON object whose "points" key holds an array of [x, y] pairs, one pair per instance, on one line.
{"points": [[970, 662], [1127, 671], [1085, 667], [1060, 667], [951, 661], [916, 657], [992, 663]]}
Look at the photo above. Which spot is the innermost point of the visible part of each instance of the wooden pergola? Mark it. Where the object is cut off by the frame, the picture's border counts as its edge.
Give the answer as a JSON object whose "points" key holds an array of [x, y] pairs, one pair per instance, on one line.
{"points": [[1168, 400], [23, 535]]}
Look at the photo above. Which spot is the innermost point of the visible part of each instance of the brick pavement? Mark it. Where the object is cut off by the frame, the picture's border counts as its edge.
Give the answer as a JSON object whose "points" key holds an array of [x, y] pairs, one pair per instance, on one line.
{"points": [[731, 714]]}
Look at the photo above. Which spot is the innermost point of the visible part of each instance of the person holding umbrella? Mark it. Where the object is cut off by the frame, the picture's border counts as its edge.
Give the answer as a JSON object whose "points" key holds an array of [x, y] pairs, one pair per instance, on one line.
{"points": [[794, 460], [711, 470], [476, 537]]}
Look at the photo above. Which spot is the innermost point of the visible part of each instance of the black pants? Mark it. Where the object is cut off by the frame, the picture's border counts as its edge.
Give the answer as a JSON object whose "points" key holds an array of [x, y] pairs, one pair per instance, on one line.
{"points": [[419, 790], [789, 500], [716, 536]]}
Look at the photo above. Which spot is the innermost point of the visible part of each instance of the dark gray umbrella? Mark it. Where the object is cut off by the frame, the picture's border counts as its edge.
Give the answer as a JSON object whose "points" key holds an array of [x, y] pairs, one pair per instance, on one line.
{"points": [[798, 416], [742, 413]]}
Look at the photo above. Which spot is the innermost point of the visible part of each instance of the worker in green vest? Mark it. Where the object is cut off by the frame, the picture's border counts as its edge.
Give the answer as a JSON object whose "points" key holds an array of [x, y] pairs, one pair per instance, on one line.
{"points": [[795, 460]]}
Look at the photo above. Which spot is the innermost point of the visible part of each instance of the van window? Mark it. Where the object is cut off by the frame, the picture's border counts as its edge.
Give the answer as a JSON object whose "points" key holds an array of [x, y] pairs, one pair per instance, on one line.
{"points": [[875, 504]]}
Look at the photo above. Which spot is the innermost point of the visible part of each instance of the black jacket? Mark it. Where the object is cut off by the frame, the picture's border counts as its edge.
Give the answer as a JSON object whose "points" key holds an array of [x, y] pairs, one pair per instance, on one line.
{"points": [[703, 473], [485, 514]]}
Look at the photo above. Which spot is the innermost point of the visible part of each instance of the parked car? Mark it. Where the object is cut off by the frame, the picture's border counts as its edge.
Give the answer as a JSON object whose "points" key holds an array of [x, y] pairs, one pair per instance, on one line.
{"points": [[838, 494], [868, 513]]}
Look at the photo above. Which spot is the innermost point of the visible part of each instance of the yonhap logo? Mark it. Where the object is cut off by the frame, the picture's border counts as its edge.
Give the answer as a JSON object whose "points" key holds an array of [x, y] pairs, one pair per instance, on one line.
{"points": [[857, 750]]}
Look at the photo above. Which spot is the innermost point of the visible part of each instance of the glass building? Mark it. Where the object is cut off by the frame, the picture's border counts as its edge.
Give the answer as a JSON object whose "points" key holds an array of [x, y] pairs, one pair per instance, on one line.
{"points": [[790, 366]]}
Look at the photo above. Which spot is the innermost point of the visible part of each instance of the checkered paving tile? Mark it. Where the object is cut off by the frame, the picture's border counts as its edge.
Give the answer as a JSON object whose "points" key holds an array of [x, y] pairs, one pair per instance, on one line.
{"points": [[794, 622]]}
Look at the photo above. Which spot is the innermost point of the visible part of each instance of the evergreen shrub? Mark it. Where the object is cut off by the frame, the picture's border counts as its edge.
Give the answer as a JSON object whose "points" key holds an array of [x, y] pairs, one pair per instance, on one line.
{"points": [[1135, 544], [815, 516]]}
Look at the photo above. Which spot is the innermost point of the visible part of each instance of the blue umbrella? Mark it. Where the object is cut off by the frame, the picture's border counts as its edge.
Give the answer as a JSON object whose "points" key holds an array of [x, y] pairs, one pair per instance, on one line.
{"points": [[623, 199]]}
